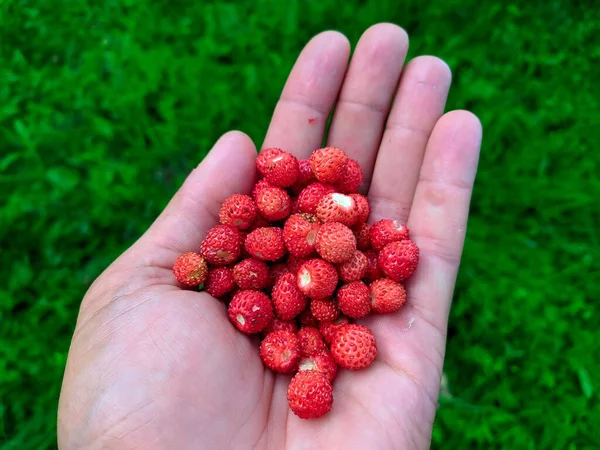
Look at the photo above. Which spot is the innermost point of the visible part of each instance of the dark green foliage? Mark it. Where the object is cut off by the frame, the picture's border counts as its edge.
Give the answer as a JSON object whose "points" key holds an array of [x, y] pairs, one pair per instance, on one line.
{"points": [[106, 106]]}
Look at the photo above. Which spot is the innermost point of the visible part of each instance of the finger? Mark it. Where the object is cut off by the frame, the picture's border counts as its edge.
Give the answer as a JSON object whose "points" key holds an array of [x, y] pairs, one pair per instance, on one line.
{"points": [[299, 120], [438, 218], [367, 94], [419, 104], [229, 168]]}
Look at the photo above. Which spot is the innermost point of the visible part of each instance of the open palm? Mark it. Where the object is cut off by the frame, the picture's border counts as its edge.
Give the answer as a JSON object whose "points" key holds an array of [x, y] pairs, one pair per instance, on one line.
{"points": [[153, 366]]}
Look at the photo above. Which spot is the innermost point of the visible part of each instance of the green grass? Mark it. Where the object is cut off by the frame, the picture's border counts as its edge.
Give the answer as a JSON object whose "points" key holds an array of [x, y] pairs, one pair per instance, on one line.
{"points": [[105, 109]]}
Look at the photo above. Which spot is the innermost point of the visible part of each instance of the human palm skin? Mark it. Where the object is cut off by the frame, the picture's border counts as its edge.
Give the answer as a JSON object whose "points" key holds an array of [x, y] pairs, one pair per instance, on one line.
{"points": [[154, 366]]}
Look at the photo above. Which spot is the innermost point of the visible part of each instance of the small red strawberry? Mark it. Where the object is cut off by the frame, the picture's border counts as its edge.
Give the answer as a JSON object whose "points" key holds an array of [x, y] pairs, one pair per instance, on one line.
{"points": [[387, 296], [190, 269], [250, 311], [353, 347], [275, 271], [279, 351], [306, 319], [328, 329], [222, 245], [278, 167], [273, 203], [259, 222], [299, 234], [354, 300], [352, 178], [294, 263], [251, 273], [266, 244], [310, 341], [317, 278], [373, 272], [279, 325], [363, 238], [398, 260], [219, 282], [238, 210], [259, 186], [385, 231], [362, 207], [311, 195], [355, 268], [337, 208], [335, 242], [310, 394], [288, 300], [322, 362], [305, 177], [329, 164], [324, 309]]}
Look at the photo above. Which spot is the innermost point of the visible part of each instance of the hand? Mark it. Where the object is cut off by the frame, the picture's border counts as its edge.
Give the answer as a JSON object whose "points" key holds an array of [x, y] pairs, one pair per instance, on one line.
{"points": [[153, 366]]}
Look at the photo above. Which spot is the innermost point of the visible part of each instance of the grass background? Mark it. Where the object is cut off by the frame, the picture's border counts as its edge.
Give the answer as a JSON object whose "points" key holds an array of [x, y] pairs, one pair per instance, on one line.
{"points": [[105, 107]]}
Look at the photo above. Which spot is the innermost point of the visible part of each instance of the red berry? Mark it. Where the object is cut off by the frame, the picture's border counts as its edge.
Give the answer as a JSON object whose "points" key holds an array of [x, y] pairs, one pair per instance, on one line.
{"points": [[191, 269], [352, 178], [354, 300], [317, 278], [288, 300], [275, 271], [251, 273], [250, 311], [335, 242], [295, 209], [266, 244], [305, 177], [259, 222], [294, 263], [273, 203], [299, 234], [353, 347], [337, 208], [306, 319], [362, 207], [279, 351], [355, 268], [219, 282], [387, 296], [322, 362], [398, 260], [222, 245], [311, 195], [329, 164], [310, 394], [238, 210], [324, 309], [259, 186], [328, 329], [278, 325], [361, 232], [373, 272], [385, 231], [278, 167], [310, 341]]}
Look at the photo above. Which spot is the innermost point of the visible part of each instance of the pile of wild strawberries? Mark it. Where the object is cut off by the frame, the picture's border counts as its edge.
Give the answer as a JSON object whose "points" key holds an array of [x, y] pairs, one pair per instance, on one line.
{"points": [[297, 261]]}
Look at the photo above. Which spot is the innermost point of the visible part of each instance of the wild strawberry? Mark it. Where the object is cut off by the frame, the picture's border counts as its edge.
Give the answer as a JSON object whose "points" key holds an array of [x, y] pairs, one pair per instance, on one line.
{"points": [[310, 341], [278, 167], [373, 271], [362, 207], [288, 300], [324, 309], [352, 178], [329, 164], [337, 208], [251, 273], [281, 325], [238, 210], [306, 319], [317, 278], [305, 176], [259, 186], [273, 203], [353, 347], [250, 311], [311, 195], [387, 296], [191, 269], [354, 300], [398, 260], [266, 244], [328, 329], [222, 245], [361, 232], [275, 271], [299, 234], [322, 362], [385, 231], [310, 394], [294, 263], [219, 282], [279, 351], [335, 242], [259, 222], [355, 268]]}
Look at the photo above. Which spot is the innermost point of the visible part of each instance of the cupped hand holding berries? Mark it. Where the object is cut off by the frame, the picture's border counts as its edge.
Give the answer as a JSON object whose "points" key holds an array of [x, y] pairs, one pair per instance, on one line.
{"points": [[342, 262]]}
